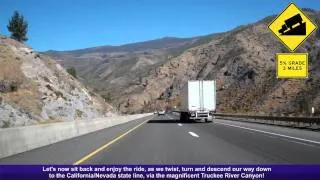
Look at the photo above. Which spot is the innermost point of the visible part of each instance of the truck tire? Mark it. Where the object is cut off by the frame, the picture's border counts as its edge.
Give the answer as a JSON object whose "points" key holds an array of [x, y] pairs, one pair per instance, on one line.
{"points": [[187, 117], [183, 117]]}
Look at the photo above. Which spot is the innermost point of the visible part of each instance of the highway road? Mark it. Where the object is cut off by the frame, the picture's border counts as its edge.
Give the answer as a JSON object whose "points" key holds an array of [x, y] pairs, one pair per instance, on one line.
{"points": [[164, 139]]}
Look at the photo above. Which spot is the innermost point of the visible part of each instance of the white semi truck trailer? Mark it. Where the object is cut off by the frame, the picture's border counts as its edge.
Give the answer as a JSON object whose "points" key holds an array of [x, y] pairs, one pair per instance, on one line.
{"points": [[198, 101]]}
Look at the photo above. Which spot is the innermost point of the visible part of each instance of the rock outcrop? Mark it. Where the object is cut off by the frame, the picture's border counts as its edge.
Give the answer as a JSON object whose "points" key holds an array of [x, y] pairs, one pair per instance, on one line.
{"points": [[35, 89]]}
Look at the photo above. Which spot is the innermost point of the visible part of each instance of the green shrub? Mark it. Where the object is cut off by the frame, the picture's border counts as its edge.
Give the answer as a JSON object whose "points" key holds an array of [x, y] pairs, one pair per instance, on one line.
{"points": [[72, 71]]}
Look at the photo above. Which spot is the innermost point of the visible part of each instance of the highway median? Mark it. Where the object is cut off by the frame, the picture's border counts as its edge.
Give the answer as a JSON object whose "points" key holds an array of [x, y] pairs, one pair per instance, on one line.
{"points": [[20, 139]]}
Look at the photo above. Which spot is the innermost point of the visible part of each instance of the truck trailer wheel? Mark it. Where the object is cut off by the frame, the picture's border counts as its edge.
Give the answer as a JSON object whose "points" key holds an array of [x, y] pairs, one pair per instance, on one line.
{"points": [[184, 116]]}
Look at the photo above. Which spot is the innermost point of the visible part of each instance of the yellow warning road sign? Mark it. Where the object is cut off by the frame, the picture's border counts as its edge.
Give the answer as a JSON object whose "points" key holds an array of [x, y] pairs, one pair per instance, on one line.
{"points": [[292, 65], [292, 27]]}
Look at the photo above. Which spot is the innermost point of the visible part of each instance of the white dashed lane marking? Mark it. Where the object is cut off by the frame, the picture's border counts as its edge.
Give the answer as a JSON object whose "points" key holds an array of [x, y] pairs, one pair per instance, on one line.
{"points": [[179, 124], [193, 134]]}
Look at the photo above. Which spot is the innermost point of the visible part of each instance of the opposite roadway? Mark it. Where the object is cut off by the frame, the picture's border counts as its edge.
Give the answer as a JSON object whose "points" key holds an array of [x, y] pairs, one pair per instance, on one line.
{"points": [[165, 140]]}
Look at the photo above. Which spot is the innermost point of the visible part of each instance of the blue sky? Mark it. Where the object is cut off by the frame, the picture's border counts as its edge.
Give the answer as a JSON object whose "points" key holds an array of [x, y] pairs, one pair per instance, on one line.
{"points": [[74, 24]]}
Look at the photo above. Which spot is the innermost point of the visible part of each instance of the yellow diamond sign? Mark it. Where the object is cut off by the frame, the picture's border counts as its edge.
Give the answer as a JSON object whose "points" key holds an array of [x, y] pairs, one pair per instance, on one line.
{"points": [[292, 27]]}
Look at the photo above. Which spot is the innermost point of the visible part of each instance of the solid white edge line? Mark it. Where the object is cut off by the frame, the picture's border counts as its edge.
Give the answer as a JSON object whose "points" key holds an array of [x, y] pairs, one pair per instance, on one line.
{"points": [[266, 132], [193, 134]]}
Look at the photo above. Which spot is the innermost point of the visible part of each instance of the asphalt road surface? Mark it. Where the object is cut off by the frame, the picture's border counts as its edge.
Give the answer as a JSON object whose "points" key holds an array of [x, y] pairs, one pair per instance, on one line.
{"points": [[165, 140]]}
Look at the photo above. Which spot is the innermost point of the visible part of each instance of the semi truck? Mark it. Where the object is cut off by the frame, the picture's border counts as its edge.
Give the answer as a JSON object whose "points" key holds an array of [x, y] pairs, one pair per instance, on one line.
{"points": [[198, 100]]}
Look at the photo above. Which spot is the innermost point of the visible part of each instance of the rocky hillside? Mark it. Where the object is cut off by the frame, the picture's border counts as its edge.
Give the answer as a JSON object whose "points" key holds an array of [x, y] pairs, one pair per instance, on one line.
{"points": [[34, 89], [112, 69], [243, 63]]}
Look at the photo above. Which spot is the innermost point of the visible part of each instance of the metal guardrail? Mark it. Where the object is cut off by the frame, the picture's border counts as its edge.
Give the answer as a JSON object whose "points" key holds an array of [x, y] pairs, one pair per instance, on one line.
{"points": [[296, 122], [312, 120]]}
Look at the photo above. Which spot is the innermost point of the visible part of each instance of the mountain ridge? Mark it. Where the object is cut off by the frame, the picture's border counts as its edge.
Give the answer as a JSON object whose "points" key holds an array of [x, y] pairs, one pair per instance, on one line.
{"points": [[242, 61], [135, 46]]}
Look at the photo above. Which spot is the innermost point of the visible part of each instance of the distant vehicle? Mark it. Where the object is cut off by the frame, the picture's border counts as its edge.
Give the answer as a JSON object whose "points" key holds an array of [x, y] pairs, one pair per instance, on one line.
{"points": [[161, 112], [155, 112], [198, 100]]}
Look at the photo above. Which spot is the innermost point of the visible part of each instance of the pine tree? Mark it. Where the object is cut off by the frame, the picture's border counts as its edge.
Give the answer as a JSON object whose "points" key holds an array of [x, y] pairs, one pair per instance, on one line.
{"points": [[18, 27]]}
